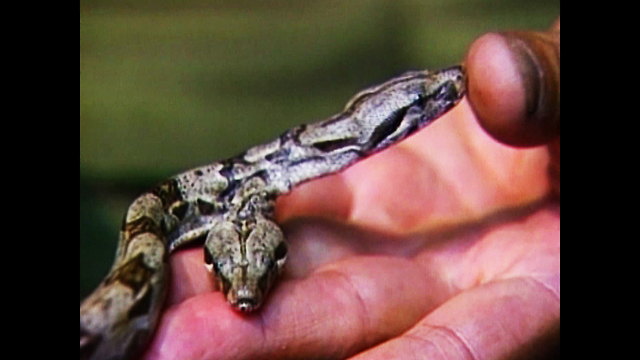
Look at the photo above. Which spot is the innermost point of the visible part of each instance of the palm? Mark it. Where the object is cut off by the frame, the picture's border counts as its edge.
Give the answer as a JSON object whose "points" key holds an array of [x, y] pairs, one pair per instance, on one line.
{"points": [[444, 235]]}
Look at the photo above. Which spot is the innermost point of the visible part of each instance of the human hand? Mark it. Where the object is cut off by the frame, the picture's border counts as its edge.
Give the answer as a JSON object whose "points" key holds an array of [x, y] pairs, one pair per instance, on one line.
{"points": [[446, 245]]}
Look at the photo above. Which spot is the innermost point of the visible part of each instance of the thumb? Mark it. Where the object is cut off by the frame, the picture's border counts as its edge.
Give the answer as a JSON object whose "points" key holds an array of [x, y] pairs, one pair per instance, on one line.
{"points": [[514, 85], [514, 89]]}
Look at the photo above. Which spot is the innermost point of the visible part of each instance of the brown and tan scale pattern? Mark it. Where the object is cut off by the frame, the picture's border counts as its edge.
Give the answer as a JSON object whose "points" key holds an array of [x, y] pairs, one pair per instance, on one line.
{"points": [[229, 204]]}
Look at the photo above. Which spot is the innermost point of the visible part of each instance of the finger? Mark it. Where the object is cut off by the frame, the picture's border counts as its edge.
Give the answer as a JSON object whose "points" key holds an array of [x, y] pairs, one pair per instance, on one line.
{"points": [[337, 311], [514, 85], [514, 312], [500, 320], [329, 313]]}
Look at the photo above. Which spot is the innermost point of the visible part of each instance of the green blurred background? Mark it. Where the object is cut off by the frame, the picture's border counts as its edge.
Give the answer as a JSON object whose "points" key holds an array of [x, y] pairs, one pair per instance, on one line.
{"points": [[170, 85]]}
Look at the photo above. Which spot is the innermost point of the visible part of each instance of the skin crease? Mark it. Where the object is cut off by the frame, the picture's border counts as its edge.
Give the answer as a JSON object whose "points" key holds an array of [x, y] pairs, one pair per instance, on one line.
{"points": [[446, 246]]}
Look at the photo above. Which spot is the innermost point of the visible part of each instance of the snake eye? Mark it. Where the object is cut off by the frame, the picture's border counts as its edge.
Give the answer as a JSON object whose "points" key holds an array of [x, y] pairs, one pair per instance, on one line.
{"points": [[281, 251], [211, 265], [208, 258]]}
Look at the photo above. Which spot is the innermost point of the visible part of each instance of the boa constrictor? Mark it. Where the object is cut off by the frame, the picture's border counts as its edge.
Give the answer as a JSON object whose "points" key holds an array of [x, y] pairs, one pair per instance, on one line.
{"points": [[230, 204]]}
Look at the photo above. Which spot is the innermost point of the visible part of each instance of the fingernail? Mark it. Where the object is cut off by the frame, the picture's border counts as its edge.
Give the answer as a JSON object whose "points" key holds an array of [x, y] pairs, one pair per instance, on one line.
{"points": [[538, 61], [528, 65]]}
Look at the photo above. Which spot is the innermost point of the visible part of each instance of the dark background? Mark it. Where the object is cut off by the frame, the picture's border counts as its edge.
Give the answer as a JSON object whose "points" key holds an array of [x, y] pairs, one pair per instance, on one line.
{"points": [[169, 85]]}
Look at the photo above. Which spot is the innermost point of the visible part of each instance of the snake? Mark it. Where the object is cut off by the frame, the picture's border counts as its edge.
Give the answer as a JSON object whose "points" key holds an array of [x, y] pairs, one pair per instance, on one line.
{"points": [[230, 204]]}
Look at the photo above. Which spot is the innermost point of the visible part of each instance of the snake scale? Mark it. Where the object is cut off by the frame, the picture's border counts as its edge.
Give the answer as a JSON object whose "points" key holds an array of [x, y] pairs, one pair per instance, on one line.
{"points": [[230, 204]]}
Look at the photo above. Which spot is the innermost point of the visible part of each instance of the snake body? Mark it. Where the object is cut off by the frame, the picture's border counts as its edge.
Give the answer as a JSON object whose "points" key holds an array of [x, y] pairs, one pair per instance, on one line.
{"points": [[230, 204]]}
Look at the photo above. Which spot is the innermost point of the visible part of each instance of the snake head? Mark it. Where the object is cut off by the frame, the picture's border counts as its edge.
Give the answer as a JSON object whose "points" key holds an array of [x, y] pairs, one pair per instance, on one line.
{"points": [[245, 257]]}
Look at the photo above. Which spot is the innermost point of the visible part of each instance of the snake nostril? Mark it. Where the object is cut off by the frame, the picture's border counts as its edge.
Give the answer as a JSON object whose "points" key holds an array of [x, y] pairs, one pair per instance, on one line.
{"points": [[245, 305]]}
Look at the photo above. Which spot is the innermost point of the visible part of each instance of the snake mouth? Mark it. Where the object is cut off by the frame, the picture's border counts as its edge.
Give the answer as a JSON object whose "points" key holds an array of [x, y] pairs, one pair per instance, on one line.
{"points": [[244, 298], [245, 305]]}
